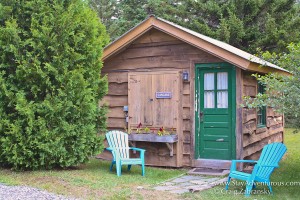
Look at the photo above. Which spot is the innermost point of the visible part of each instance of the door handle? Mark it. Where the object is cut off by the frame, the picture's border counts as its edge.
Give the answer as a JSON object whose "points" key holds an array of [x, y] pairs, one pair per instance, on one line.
{"points": [[201, 115], [220, 140]]}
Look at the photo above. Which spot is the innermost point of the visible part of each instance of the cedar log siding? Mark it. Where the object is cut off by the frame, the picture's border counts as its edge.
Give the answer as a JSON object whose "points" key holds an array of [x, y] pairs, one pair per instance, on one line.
{"points": [[153, 52], [254, 138]]}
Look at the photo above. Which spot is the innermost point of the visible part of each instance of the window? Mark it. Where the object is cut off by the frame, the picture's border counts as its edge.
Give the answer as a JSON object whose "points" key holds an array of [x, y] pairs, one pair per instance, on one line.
{"points": [[261, 112], [216, 90]]}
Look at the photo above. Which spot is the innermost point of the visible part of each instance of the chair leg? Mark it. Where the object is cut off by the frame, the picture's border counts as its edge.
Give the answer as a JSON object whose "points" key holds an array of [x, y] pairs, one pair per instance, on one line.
{"points": [[249, 186], [129, 167], [270, 187], [119, 168], [143, 169], [111, 165], [228, 182], [254, 185]]}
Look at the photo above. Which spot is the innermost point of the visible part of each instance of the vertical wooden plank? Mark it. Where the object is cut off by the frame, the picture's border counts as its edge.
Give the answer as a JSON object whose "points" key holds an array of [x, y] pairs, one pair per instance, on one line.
{"points": [[145, 96], [171, 105], [134, 104], [192, 110], [179, 108], [158, 86], [239, 114]]}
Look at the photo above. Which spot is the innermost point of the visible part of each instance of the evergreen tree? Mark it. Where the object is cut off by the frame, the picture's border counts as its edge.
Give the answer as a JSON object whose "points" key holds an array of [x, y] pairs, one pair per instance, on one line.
{"points": [[246, 24], [50, 83]]}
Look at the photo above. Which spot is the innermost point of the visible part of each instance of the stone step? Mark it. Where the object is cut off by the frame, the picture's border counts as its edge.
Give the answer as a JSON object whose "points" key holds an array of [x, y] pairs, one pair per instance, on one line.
{"points": [[208, 171], [212, 164]]}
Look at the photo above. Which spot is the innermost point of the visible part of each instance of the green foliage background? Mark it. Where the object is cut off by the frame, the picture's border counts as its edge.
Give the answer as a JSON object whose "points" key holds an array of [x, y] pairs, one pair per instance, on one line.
{"points": [[50, 83], [246, 24], [282, 91]]}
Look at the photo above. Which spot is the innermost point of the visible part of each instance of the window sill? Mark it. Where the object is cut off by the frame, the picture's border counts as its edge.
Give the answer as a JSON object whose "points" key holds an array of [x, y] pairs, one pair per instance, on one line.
{"points": [[261, 129], [261, 126]]}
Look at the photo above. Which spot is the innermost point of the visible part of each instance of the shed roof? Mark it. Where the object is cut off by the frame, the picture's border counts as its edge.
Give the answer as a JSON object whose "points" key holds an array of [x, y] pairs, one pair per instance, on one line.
{"points": [[215, 47]]}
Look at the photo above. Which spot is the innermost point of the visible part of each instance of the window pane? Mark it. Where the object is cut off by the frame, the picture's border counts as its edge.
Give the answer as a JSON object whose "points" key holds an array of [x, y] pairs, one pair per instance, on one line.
{"points": [[261, 116], [222, 78], [209, 99], [209, 82], [261, 112], [222, 99]]}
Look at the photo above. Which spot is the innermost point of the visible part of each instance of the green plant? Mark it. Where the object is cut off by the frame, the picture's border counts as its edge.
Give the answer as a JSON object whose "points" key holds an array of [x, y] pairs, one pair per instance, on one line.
{"points": [[50, 83], [282, 91], [147, 130]]}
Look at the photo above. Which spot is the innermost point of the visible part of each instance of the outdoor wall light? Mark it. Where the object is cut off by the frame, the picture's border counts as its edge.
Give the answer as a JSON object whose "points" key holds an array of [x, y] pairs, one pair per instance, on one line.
{"points": [[185, 76]]}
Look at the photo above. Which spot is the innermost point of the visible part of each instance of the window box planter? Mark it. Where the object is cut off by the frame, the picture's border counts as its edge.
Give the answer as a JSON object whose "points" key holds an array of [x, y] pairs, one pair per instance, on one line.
{"points": [[151, 137], [169, 140]]}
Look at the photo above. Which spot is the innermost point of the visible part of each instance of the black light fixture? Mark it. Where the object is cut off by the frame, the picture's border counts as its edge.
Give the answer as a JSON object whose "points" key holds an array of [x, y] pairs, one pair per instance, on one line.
{"points": [[185, 76]]}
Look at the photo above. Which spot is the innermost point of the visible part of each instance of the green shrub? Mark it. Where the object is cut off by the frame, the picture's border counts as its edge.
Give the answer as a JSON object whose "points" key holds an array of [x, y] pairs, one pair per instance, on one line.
{"points": [[50, 83]]}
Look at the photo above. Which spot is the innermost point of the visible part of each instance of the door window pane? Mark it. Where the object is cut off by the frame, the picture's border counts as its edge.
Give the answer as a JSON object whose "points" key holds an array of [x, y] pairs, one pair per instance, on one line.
{"points": [[209, 93], [222, 78], [222, 99], [209, 99], [222, 87], [209, 81]]}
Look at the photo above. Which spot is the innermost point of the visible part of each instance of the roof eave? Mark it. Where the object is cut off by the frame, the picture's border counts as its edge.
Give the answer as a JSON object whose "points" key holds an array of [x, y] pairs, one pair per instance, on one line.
{"points": [[258, 67], [127, 38]]}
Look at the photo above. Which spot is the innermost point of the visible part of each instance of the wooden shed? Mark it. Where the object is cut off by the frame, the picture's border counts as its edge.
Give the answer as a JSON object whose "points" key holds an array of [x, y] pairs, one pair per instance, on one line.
{"points": [[163, 75]]}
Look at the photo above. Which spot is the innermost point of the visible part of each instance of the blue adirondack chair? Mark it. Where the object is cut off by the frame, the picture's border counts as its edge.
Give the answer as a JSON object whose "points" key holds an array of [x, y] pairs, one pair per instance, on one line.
{"points": [[118, 145], [268, 161]]}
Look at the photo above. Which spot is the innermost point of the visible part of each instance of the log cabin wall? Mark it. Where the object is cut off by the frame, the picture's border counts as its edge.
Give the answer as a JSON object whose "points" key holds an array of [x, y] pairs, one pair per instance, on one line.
{"points": [[153, 52], [254, 139]]}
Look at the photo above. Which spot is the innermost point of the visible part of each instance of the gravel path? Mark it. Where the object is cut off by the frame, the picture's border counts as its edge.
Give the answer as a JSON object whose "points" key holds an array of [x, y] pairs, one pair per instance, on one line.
{"points": [[27, 193]]}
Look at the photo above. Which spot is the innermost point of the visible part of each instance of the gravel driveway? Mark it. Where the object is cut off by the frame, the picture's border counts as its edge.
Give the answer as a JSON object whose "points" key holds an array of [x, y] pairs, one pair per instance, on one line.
{"points": [[27, 193]]}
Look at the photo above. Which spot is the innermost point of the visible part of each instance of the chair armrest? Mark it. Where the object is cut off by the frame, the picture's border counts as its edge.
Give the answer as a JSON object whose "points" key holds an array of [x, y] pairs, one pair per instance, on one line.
{"points": [[243, 161], [276, 166], [233, 163], [109, 149], [137, 149], [142, 152]]}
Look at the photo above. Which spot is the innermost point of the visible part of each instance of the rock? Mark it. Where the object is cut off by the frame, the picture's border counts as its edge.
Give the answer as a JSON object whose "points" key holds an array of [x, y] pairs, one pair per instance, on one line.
{"points": [[139, 187]]}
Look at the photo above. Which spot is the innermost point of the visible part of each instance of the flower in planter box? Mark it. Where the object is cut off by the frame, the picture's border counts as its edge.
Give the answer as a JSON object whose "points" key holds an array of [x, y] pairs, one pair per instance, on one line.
{"points": [[161, 131], [138, 128], [146, 129]]}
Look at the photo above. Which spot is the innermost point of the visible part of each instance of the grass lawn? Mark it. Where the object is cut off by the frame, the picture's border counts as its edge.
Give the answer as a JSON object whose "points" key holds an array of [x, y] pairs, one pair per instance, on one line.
{"points": [[94, 181]]}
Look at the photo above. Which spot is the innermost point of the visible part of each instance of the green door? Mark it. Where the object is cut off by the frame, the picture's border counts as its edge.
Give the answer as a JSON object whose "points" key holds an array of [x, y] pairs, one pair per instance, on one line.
{"points": [[215, 111]]}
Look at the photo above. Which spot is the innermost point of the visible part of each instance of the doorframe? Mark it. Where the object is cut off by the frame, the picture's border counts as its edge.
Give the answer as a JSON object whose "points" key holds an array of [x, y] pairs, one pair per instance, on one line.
{"points": [[206, 66]]}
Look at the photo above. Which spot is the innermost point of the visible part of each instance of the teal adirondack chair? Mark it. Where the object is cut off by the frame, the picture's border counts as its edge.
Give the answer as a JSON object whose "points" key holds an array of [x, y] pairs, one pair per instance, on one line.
{"points": [[118, 145], [268, 161]]}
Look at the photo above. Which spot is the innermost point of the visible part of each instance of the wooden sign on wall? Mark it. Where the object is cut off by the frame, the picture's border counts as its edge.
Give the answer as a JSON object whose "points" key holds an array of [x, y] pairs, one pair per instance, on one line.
{"points": [[163, 95]]}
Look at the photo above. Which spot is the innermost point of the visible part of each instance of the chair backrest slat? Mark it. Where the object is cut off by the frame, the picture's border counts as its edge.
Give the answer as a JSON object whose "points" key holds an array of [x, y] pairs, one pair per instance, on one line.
{"points": [[118, 140], [271, 155]]}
